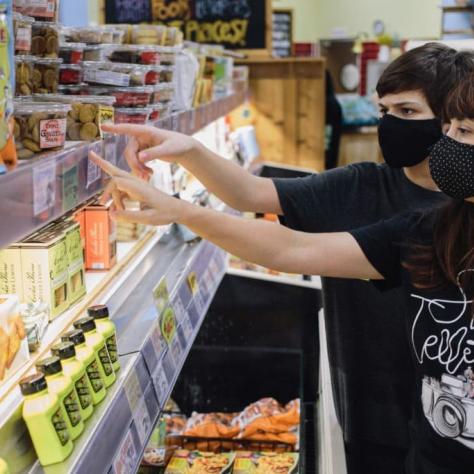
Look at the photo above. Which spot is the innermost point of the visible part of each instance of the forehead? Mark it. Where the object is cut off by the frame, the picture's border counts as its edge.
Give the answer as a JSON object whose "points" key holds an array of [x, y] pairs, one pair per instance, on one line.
{"points": [[414, 97], [466, 122]]}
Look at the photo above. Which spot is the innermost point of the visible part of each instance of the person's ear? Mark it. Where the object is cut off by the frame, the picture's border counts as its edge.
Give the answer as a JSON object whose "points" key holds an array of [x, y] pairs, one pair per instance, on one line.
{"points": [[445, 127]]}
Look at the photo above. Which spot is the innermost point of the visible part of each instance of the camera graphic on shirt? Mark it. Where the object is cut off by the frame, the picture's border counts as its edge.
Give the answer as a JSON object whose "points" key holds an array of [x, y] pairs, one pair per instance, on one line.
{"points": [[449, 408]]}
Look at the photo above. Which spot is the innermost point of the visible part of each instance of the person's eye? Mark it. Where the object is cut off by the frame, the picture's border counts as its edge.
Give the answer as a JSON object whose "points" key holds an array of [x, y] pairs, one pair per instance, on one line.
{"points": [[407, 111], [383, 111], [464, 131]]}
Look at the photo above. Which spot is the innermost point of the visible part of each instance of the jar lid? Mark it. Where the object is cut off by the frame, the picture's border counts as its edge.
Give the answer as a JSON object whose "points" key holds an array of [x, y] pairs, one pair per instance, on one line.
{"points": [[72, 99], [87, 324], [26, 108], [64, 350], [48, 61], [132, 89], [80, 46], [99, 311], [33, 384], [50, 365], [76, 336], [134, 110]]}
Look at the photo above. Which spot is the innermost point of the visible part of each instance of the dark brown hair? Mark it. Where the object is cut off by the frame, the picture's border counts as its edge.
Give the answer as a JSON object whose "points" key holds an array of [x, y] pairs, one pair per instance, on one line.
{"points": [[434, 69], [452, 251]]}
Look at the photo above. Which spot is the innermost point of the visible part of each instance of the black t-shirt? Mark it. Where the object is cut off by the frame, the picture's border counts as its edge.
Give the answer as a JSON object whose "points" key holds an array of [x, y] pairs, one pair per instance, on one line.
{"points": [[440, 331], [371, 369]]}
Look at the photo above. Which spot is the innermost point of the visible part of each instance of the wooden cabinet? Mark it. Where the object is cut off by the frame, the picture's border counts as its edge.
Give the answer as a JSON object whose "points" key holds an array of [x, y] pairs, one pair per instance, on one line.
{"points": [[289, 96]]}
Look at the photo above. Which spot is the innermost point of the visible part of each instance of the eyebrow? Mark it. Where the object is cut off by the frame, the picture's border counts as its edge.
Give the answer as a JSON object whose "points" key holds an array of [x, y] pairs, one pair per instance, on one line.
{"points": [[400, 104]]}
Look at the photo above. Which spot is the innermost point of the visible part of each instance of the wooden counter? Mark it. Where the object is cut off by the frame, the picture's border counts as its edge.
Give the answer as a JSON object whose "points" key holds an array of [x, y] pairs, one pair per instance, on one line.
{"points": [[289, 95]]}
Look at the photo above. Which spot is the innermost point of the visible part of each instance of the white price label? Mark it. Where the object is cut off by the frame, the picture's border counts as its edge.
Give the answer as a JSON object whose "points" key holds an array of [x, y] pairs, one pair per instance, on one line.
{"points": [[142, 421], [126, 460], [44, 187], [179, 311], [157, 340], [187, 329], [133, 390], [161, 384], [176, 351]]}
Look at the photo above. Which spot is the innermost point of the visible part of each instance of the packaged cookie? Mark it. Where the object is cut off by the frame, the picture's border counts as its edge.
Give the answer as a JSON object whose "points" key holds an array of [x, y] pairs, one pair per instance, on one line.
{"points": [[102, 72], [139, 115], [70, 74], [46, 75], [22, 31], [72, 53], [129, 96], [136, 54], [156, 112], [167, 74], [96, 52], [24, 75], [45, 39], [168, 54], [86, 116], [148, 34], [39, 127]]}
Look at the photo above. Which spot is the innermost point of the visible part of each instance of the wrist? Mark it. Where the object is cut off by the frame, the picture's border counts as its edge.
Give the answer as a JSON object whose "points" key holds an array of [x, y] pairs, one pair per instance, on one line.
{"points": [[194, 149], [186, 213]]}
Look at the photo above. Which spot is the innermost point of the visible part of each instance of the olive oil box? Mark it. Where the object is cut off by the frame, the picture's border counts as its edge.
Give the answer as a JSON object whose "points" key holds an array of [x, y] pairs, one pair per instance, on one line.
{"points": [[10, 272], [75, 258], [44, 264]]}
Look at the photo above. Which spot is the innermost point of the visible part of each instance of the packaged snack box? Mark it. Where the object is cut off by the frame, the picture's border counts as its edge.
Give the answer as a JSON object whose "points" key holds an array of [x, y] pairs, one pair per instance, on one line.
{"points": [[247, 462], [44, 263], [101, 241], [199, 462], [10, 272]]}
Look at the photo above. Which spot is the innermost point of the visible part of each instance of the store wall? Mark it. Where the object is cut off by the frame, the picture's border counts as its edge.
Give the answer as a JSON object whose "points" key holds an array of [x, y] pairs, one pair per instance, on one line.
{"points": [[409, 18]]}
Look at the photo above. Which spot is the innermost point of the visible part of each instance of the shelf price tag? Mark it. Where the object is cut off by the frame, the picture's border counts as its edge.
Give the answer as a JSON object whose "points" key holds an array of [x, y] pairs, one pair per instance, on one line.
{"points": [[142, 421], [133, 391], [193, 314], [199, 302], [161, 295], [157, 340], [187, 330], [179, 311], [176, 351], [160, 383], [126, 460], [44, 187]]}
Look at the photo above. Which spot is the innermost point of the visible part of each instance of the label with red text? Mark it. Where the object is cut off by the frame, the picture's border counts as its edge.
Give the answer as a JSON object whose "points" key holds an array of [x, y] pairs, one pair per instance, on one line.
{"points": [[52, 133]]}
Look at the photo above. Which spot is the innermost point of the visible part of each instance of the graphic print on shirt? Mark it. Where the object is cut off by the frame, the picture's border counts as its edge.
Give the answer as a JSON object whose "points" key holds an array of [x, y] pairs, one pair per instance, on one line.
{"points": [[442, 336]]}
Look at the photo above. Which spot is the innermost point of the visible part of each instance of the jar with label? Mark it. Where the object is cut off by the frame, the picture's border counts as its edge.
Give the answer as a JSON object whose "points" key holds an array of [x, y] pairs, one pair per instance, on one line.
{"points": [[106, 327], [39, 127], [87, 114], [76, 370], [22, 30], [156, 112], [72, 53], [24, 75], [97, 343], [130, 96], [45, 39], [46, 75], [46, 421], [63, 387], [91, 363]]}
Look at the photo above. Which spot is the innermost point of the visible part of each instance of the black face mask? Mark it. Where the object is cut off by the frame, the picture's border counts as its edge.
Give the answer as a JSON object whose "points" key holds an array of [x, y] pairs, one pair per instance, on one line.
{"points": [[452, 168], [406, 143]]}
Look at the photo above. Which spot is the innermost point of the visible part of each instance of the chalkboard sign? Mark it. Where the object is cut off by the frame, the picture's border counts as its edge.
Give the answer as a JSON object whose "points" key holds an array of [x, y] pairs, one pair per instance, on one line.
{"points": [[282, 33], [235, 24]]}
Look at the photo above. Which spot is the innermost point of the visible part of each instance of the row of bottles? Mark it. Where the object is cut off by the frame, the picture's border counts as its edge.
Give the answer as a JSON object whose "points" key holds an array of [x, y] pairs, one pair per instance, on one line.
{"points": [[69, 383]]}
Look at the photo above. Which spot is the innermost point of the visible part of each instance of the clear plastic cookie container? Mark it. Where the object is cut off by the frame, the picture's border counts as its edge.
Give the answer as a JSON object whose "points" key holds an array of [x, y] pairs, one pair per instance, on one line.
{"points": [[22, 29], [72, 53], [128, 96], [45, 39], [46, 75], [70, 74], [24, 75], [135, 54], [138, 115], [163, 92]]}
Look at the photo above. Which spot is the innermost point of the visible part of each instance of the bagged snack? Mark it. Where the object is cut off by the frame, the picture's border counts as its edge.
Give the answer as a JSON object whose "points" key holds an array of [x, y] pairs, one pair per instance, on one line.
{"points": [[211, 425], [247, 462], [198, 462]]}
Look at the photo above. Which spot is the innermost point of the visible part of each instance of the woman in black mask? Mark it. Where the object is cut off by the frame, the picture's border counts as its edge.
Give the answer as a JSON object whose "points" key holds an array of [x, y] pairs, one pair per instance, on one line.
{"points": [[430, 254]]}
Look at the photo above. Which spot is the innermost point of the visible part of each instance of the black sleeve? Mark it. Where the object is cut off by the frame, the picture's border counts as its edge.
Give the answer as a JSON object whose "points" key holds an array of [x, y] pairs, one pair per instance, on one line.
{"points": [[309, 204], [381, 244]]}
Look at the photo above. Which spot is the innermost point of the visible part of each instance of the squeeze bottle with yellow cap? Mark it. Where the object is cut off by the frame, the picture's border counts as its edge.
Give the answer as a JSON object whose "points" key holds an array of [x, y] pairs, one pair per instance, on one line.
{"points": [[63, 387], [97, 343], [106, 327], [74, 369], [90, 361], [45, 419]]}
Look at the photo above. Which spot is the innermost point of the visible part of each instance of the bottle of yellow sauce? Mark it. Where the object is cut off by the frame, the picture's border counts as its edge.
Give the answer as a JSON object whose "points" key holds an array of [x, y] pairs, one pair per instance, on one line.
{"points": [[97, 343], [74, 369], [4, 467], [45, 419], [63, 387], [90, 361], [106, 327]]}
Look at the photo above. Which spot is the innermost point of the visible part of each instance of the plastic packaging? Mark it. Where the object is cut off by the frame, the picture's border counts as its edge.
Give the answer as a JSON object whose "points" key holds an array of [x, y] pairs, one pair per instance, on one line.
{"points": [[72, 53], [70, 74], [128, 96], [46, 421], [39, 127], [45, 39], [35, 317], [97, 343], [135, 54], [163, 92], [96, 52], [148, 34], [90, 361], [102, 72], [89, 35], [139, 115], [81, 89], [157, 112], [46, 75], [22, 27], [63, 387], [76, 370], [167, 74], [168, 54], [106, 327], [24, 75]]}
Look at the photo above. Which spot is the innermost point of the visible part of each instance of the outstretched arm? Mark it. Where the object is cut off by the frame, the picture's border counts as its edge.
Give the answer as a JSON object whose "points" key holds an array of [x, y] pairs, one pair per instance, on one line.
{"points": [[229, 182], [264, 243]]}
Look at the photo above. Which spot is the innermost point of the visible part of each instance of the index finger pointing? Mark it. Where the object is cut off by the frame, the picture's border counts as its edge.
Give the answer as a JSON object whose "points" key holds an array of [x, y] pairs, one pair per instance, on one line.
{"points": [[127, 129], [109, 168]]}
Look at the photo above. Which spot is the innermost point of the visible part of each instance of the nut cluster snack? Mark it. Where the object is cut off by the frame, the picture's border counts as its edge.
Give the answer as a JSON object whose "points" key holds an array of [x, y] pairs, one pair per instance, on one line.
{"points": [[24, 75], [39, 127], [45, 75], [45, 39]]}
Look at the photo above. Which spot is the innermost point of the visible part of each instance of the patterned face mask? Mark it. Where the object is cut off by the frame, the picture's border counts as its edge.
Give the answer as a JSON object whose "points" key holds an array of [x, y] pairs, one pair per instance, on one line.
{"points": [[452, 167]]}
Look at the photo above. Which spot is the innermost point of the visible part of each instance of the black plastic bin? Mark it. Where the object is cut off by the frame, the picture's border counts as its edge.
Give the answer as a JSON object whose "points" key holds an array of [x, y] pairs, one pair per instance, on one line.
{"points": [[259, 339]]}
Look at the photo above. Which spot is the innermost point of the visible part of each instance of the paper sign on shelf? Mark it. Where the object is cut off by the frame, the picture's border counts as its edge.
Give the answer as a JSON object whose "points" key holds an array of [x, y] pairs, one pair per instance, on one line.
{"points": [[142, 421], [133, 390], [161, 295], [126, 460], [44, 187], [160, 382], [178, 307]]}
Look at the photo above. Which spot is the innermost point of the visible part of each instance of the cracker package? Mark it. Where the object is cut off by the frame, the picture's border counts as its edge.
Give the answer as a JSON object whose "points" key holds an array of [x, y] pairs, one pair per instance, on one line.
{"points": [[13, 343], [101, 240], [44, 264], [10, 272], [199, 462], [247, 462]]}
